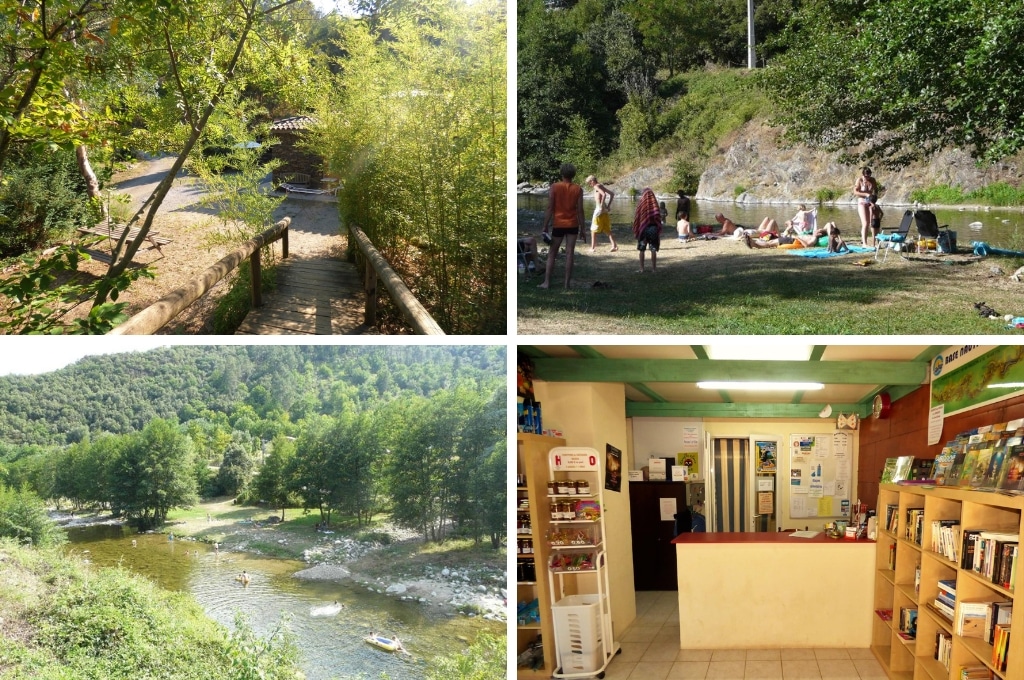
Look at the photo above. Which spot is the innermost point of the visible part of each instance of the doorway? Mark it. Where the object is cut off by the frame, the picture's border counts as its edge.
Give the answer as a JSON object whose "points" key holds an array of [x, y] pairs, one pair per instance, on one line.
{"points": [[733, 485]]}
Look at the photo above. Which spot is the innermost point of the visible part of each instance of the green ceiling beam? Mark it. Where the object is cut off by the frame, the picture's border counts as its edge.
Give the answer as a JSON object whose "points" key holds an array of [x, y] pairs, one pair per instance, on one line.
{"points": [[817, 351], [688, 370], [649, 393], [590, 353], [708, 410]]}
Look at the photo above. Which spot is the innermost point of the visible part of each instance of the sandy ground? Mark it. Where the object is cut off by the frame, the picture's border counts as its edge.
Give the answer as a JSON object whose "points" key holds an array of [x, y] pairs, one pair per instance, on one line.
{"points": [[313, 231]]}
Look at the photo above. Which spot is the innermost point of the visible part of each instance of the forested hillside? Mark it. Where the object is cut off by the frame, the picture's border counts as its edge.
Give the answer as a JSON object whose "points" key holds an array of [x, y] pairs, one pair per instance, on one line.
{"points": [[258, 389], [615, 84]]}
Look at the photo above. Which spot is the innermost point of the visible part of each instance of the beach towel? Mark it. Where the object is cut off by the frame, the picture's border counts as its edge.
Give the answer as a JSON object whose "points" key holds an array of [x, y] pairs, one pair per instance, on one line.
{"points": [[982, 248], [819, 253], [647, 212]]}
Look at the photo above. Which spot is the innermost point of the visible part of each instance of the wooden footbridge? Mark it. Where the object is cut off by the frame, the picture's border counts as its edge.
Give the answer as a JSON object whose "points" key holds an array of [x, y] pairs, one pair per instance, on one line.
{"points": [[313, 296], [316, 294]]}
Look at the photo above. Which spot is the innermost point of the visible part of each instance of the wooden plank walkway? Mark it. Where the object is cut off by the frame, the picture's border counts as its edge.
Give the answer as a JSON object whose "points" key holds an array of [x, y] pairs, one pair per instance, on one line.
{"points": [[315, 295]]}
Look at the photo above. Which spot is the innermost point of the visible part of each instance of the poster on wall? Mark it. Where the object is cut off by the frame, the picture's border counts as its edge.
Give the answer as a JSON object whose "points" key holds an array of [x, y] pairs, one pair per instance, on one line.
{"points": [[613, 468], [767, 452], [970, 376], [820, 470]]}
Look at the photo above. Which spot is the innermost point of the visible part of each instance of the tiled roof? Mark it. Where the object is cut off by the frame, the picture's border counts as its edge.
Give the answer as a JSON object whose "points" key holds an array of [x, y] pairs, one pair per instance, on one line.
{"points": [[293, 123]]}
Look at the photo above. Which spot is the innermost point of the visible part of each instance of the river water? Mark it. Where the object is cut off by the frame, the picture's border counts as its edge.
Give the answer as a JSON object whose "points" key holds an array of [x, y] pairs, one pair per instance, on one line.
{"points": [[999, 227], [330, 646]]}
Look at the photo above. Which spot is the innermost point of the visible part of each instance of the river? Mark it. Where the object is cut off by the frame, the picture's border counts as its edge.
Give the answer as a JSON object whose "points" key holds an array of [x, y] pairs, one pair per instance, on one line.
{"points": [[999, 227], [330, 646]]}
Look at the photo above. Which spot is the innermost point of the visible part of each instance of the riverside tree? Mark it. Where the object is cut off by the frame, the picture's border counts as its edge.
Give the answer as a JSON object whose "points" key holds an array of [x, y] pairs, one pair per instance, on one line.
{"points": [[153, 474]]}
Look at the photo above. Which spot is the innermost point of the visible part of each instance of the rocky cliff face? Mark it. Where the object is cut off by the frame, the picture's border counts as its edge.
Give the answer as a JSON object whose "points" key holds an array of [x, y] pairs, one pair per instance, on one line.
{"points": [[758, 166]]}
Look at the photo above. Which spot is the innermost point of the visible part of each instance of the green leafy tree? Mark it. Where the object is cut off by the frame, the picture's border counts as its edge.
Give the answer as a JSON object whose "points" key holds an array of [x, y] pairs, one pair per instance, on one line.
{"points": [[272, 483], [236, 469], [314, 478], [483, 660], [911, 78], [153, 474], [23, 517]]}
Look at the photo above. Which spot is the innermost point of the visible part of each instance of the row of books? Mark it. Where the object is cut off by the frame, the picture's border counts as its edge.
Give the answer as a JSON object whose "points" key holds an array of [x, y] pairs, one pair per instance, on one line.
{"points": [[945, 602], [975, 673], [943, 648], [992, 555], [908, 623], [1000, 645], [989, 458], [892, 518], [914, 525], [980, 619], [946, 538]]}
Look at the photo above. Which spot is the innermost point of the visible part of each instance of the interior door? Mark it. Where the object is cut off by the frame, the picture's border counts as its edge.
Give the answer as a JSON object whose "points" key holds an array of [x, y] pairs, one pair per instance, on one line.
{"points": [[734, 486], [653, 528]]}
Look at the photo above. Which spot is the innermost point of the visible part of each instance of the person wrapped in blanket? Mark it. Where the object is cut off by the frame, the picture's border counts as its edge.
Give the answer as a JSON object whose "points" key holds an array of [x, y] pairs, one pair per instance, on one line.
{"points": [[647, 227]]}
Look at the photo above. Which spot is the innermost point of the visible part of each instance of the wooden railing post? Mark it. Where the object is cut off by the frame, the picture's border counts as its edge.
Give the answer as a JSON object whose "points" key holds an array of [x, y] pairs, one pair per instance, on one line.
{"points": [[256, 274], [370, 287], [284, 244]]}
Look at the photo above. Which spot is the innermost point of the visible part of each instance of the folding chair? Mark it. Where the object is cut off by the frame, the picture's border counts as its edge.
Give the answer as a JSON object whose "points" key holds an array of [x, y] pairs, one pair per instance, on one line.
{"points": [[928, 231], [896, 241]]}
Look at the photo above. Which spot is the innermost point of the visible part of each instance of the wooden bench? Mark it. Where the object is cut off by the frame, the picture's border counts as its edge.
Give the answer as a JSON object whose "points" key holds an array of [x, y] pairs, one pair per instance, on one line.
{"points": [[114, 231]]}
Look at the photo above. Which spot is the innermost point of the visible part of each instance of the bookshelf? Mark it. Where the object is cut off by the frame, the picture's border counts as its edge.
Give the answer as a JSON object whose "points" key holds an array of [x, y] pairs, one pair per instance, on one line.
{"points": [[912, 580], [532, 465]]}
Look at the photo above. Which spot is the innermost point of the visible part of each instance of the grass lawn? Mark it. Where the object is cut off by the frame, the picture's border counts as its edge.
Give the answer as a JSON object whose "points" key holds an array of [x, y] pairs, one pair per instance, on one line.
{"points": [[721, 287]]}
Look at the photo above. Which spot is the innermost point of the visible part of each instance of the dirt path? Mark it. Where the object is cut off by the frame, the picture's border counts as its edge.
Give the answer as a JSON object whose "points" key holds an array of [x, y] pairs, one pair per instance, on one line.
{"points": [[313, 232]]}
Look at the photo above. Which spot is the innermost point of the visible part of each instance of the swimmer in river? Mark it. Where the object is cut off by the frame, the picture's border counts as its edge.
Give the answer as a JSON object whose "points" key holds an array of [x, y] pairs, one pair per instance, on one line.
{"points": [[244, 578], [135, 543]]}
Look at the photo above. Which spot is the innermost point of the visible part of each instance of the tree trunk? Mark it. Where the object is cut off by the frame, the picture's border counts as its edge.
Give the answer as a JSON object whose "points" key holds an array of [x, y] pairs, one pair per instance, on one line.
{"points": [[92, 185]]}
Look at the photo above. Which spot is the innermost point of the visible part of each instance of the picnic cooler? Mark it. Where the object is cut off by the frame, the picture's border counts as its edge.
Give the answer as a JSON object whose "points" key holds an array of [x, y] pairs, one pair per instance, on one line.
{"points": [[578, 632], [947, 241]]}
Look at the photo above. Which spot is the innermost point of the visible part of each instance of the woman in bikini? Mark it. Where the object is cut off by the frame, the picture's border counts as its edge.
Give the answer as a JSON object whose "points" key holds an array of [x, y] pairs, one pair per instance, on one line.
{"points": [[864, 188]]}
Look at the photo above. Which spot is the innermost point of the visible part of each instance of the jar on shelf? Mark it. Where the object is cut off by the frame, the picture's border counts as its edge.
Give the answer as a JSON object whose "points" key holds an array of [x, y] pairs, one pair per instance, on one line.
{"points": [[582, 487], [529, 570], [565, 487], [556, 511], [552, 488], [568, 510], [528, 546]]}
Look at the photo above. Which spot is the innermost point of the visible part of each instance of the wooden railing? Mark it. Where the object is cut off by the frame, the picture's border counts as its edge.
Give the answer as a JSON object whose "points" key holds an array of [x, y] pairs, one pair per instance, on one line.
{"points": [[160, 313], [376, 267]]}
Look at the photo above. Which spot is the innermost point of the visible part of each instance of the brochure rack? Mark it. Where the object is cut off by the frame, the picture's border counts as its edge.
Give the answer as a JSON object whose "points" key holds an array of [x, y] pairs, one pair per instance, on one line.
{"points": [[577, 565]]}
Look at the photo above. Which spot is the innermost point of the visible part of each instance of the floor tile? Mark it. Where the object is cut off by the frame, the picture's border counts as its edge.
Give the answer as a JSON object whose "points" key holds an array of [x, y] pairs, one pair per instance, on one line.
{"points": [[763, 655], [640, 633], [618, 670], [797, 654], [694, 655], [837, 669], [729, 655], [831, 654], [763, 669], [861, 654], [632, 651], [800, 669], [661, 651], [689, 670], [726, 670], [868, 668], [651, 670], [668, 633]]}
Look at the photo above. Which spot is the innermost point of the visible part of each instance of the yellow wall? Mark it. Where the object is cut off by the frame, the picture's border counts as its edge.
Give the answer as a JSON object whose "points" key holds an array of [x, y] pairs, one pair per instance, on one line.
{"points": [[782, 429], [593, 415]]}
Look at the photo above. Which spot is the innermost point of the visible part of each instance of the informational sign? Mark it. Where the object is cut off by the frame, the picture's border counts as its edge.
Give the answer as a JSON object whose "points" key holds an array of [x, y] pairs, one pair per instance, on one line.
{"points": [[613, 468], [970, 376], [668, 509], [765, 503], [820, 468], [935, 417], [573, 461], [680, 473], [767, 453], [636, 475], [656, 469]]}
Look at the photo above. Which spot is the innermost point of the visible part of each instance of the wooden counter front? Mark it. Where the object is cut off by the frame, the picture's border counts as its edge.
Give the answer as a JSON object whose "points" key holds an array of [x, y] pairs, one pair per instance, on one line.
{"points": [[772, 590]]}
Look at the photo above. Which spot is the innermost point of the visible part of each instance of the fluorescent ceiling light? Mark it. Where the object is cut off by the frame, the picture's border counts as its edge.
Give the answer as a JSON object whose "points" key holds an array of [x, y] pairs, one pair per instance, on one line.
{"points": [[760, 386], [752, 352], [994, 386]]}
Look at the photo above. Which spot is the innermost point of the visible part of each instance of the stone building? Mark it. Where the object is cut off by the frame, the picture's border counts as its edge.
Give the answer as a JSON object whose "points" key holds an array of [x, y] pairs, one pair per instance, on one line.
{"points": [[294, 159]]}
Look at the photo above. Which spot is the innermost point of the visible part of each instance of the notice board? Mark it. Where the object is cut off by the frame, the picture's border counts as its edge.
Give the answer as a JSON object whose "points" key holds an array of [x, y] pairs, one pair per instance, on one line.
{"points": [[820, 474]]}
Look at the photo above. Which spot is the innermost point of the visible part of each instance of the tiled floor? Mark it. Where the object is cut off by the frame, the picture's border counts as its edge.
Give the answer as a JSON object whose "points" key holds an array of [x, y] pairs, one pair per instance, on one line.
{"points": [[650, 651]]}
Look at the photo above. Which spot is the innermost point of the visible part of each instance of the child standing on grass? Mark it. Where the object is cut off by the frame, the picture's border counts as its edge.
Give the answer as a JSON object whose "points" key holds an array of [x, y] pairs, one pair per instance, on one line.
{"points": [[647, 222]]}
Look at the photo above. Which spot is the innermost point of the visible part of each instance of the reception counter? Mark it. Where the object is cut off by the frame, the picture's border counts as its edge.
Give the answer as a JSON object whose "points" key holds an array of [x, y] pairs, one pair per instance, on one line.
{"points": [[758, 590]]}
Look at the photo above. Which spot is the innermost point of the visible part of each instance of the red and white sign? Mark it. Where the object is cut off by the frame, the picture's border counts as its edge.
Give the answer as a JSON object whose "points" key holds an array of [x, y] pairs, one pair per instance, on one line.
{"points": [[574, 461]]}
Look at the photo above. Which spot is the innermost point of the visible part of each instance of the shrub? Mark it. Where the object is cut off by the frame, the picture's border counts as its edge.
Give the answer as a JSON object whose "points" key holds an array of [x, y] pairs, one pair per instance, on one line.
{"points": [[42, 198], [942, 194], [23, 517], [998, 194], [483, 660], [827, 195]]}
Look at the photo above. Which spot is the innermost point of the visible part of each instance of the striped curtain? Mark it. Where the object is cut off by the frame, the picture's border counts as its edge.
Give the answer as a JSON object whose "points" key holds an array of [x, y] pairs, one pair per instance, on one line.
{"points": [[732, 475]]}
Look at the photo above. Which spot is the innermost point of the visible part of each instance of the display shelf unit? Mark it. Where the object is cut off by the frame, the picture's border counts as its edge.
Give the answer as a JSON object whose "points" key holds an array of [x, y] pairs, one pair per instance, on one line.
{"points": [[579, 571], [532, 465], [914, 582]]}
